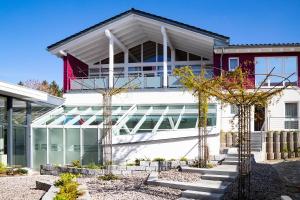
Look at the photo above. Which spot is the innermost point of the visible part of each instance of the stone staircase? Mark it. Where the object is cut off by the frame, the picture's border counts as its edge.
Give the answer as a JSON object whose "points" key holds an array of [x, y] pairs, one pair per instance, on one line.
{"points": [[213, 183]]}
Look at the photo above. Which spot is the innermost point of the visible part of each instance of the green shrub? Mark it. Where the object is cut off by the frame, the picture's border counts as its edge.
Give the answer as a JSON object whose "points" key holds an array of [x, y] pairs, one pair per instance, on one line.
{"points": [[2, 168], [108, 177], [64, 179], [22, 171], [184, 159], [92, 165], [209, 165], [137, 161], [76, 163], [68, 187], [131, 164], [159, 159], [172, 159]]}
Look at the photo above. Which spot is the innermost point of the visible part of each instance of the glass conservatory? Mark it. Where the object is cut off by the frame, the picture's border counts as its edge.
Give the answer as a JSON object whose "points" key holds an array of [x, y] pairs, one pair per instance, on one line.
{"points": [[74, 133]]}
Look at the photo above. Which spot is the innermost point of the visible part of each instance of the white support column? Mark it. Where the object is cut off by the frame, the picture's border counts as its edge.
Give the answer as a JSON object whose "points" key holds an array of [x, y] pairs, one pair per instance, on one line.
{"points": [[165, 59], [111, 64]]}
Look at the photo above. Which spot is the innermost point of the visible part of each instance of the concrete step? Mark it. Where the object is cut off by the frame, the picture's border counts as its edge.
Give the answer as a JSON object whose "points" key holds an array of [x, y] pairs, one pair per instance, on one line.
{"points": [[202, 186], [216, 177], [230, 170], [231, 158], [230, 162], [201, 195], [233, 155]]}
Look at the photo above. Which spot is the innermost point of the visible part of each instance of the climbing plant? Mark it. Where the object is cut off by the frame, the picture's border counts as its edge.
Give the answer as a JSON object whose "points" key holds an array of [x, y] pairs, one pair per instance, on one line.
{"points": [[234, 87]]}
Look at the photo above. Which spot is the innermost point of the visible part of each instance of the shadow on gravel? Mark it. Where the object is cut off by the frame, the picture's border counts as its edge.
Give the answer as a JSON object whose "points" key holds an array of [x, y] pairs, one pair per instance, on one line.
{"points": [[265, 184]]}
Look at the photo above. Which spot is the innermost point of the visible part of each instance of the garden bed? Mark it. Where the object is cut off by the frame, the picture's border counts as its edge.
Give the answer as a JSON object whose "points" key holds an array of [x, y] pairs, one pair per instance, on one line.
{"points": [[174, 175], [128, 187]]}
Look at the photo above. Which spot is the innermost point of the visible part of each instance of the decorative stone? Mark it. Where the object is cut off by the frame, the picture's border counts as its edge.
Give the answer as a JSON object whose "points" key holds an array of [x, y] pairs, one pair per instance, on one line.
{"points": [[228, 139], [283, 145], [270, 153], [276, 145]]}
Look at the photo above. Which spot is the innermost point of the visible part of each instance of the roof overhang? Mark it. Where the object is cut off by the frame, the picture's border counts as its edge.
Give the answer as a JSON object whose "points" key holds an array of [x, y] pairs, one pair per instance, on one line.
{"points": [[27, 94], [257, 48], [132, 28]]}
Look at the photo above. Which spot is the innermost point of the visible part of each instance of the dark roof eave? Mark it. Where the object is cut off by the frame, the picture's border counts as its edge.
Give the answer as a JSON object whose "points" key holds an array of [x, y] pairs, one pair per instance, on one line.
{"points": [[141, 13], [234, 46]]}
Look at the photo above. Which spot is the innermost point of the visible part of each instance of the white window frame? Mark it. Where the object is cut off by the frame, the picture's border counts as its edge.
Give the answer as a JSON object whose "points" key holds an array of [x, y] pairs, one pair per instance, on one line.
{"points": [[233, 58], [291, 119]]}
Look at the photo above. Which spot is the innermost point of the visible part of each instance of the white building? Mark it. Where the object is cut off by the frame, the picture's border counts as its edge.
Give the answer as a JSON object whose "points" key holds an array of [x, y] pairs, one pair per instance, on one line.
{"points": [[158, 118]]}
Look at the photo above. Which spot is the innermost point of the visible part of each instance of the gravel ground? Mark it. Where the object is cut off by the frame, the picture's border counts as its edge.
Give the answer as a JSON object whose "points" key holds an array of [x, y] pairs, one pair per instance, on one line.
{"points": [[265, 184], [21, 187], [128, 187], [180, 176]]}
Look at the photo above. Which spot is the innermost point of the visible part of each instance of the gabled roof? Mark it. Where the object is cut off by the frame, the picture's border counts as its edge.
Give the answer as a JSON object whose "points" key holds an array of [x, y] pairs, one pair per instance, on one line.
{"points": [[140, 13]]}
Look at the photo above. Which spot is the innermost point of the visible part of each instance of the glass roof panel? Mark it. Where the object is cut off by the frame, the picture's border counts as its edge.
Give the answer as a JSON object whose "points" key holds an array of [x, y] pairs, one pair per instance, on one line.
{"points": [[188, 121]]}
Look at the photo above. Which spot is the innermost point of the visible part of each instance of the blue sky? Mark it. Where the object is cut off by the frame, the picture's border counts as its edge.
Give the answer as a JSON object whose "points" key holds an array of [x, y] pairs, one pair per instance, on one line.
{"points": [[28, 27]]}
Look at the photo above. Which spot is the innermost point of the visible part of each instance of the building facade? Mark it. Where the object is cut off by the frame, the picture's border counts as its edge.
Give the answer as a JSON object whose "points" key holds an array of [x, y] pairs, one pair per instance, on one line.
{"points": [[156, 117], [19, 106]]}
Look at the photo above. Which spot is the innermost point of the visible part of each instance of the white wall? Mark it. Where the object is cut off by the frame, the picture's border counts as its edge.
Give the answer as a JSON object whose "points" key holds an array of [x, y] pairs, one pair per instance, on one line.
{"points": [[166, 144], [134, 97]]}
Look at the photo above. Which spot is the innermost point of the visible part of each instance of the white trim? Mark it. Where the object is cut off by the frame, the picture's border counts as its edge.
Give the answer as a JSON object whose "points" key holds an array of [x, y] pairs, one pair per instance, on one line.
{"points": [[233, 58]]}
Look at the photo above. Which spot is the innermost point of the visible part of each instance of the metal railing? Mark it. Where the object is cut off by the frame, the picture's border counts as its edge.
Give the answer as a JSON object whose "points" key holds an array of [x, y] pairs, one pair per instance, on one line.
{"points": [[140, 82]]}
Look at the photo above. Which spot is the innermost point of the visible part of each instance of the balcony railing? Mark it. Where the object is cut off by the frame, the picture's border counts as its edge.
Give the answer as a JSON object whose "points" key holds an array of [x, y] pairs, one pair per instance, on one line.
{"points": [[138, 82]]}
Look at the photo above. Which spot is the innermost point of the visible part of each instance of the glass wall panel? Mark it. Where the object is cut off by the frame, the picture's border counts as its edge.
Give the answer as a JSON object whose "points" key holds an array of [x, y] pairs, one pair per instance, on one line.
{"points": [[3, 109], [135, 54], [19, 112], [188, 121], [90, 146], [56, 146], [180, 55], [39, 147], [19, 145], [160, 53], [149, 124], [72, 144], [149, 51]]}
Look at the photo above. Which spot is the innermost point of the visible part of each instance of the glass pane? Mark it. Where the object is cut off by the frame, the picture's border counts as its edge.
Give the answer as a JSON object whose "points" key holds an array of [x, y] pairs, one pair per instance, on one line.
{"points": [[3, 108], [72, 144], [180, 55], [56, 146], [90, 146], [233, 63], [261, 69], [168, 122], [119, 58], [160, 53], [188, 121], [291, 68], [194, 57], [277, 64], [39, 147], [291, 110], [149, 51], [149, 123], [19, 112], [132, 122], [135, 54], [19, 146]]}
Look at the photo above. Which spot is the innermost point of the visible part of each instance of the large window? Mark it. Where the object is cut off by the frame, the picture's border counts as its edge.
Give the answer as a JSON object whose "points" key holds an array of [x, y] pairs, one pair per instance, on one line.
{"points": [[283, 67], [291, 116]]}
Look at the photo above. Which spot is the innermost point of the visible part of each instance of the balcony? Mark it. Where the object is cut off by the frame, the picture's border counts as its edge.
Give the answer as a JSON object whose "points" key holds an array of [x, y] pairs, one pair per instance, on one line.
{"points": [[137, 82]]}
